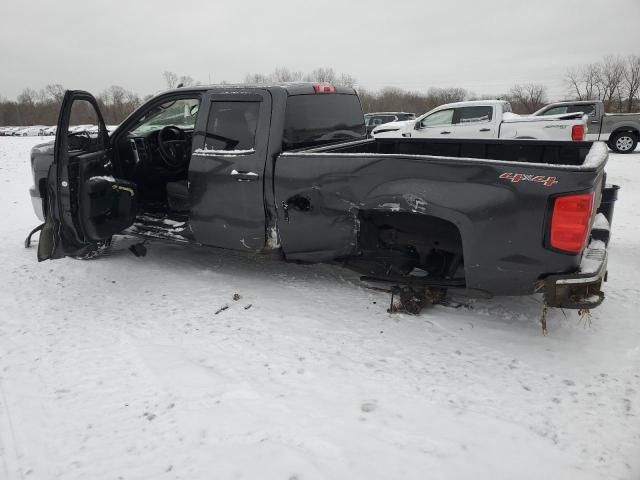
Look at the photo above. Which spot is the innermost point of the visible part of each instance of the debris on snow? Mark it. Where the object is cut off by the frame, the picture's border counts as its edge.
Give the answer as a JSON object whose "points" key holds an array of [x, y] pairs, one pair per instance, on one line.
{"points": [[410, 300], [138, 249]]}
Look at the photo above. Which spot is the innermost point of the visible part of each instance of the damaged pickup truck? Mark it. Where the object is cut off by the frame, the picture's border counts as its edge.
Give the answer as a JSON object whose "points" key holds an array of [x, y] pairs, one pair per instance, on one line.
{"points": [[288, 169]]}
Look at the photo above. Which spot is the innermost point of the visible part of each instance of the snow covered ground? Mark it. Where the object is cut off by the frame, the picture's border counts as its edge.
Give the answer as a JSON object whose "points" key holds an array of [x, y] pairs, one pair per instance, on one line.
{"points": [[119, 368]]}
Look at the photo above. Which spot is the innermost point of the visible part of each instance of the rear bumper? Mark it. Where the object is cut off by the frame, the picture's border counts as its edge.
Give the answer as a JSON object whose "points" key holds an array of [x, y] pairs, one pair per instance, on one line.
{"points": [[582, 289], [36, 201]]}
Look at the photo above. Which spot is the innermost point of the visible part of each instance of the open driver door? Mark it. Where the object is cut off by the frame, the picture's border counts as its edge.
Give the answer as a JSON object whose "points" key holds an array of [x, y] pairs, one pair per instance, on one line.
{"points": [[85, 204]]}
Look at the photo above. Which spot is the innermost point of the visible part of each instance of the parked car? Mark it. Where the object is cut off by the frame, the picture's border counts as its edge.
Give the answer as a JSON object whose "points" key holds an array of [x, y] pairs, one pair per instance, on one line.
{"points": [[372, 120], [10, 131], [289, 169], [621, 131], [485, 119], [33, 131]]}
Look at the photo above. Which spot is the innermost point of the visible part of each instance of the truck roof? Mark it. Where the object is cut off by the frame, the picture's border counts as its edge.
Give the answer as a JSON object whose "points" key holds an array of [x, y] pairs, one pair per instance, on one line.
{"points": [[389, 113], [291, 88], [473, 103]]}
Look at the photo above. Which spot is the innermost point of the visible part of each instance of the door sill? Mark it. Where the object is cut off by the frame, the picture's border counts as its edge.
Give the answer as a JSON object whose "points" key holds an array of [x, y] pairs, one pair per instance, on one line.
{"points": [[164, 226]]}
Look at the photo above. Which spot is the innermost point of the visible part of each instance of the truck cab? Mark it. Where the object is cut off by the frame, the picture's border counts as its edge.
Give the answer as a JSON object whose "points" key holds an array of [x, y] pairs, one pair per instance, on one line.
{"points": [[198, 159]]}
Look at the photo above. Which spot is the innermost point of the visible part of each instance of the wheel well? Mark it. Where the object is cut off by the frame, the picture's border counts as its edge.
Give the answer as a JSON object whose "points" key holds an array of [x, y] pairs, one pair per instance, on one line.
{"points": [[398, 242], [631, 130]]}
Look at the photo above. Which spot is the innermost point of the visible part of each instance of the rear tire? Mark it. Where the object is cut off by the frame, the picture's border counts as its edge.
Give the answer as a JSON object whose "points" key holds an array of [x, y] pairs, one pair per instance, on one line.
{"points": [[623, 142]]}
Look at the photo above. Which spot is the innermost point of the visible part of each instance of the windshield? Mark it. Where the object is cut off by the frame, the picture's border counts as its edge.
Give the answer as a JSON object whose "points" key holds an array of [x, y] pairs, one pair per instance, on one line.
{"points": [[180, 113]]}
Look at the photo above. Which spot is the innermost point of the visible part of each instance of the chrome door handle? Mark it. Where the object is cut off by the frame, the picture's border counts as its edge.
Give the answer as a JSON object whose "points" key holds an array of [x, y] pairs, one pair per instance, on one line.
{"points": [[245, 176]]}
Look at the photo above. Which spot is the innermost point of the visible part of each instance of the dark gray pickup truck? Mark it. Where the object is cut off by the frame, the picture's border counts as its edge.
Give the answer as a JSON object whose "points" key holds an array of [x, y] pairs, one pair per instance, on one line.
{"points": [[288, 169], [621, 131]]}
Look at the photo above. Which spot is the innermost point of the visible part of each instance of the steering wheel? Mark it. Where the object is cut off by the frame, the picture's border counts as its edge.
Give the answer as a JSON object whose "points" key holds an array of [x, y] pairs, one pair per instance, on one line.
{"points": [[172, 144]]}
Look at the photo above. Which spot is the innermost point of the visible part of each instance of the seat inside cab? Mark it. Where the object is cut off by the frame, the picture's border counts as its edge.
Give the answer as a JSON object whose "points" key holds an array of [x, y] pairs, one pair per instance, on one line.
{"points": [[155, 154]]}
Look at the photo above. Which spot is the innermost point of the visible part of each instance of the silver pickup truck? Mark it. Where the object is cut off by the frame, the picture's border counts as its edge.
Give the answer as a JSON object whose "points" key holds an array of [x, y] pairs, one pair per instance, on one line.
{"points": [[621, 131]]}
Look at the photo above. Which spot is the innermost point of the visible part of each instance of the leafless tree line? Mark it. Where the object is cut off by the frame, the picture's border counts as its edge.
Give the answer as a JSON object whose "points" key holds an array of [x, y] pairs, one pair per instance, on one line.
{"points": [[41, 107], [615, 80], [322, 74]]}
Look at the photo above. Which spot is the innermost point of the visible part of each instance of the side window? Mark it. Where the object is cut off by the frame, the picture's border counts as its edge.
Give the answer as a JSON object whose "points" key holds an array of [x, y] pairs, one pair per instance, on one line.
{"points": [[443, 117], [232, 125], [84, 127], [383, 119], [587, 109], [556, 110], [480, 114]]}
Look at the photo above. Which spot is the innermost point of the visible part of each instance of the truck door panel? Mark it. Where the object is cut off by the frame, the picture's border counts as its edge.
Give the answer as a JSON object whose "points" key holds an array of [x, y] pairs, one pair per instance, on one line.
{"points": [[437, 125], [474, 122], [226, 172], [86, 204]]}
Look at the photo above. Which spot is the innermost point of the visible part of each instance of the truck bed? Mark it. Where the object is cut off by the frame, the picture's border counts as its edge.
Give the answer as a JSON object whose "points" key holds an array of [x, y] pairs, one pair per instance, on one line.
{"points": [[493, 197]]}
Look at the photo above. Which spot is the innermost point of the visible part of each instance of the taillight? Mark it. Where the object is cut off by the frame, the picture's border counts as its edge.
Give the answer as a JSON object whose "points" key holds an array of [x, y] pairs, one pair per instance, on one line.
{"points": [[324, 88], [570, 222], [577, 133]]}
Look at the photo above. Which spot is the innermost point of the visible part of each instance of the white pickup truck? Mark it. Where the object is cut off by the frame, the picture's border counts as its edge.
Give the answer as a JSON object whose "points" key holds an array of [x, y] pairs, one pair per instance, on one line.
{"points": [[486, 119]]}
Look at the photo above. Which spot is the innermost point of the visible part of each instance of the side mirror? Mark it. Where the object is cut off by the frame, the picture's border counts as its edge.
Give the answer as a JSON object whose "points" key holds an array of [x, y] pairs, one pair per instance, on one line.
{"points": [[417, 126]]}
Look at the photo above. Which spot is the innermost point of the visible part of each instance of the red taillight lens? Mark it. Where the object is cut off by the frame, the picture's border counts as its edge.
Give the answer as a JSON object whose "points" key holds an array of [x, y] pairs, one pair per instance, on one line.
{"points": [[570, 222], [577, 133], [324, 88]]}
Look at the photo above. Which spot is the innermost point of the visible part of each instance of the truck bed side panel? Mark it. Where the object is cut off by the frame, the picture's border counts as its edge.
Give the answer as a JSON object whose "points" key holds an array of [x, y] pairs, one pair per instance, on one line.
{"points": [[502, 222]]}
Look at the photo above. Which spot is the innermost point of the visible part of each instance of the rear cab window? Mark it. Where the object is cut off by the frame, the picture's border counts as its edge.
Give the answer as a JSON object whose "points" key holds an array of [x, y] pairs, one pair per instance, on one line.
{"points": [[468, 115], [559, 110], [318, 119], [586, 108]]}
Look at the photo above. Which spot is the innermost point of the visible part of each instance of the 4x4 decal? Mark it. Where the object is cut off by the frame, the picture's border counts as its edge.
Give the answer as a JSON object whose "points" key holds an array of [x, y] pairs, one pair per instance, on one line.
{"points": [[523, 177]]}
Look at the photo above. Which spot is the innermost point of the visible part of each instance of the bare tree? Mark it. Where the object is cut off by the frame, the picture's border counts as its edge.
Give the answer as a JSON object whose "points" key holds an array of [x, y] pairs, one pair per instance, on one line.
{"points": [[256, 78], [632, 80], [346, 80], [28, 96], [583, 82], [171, 79], [322, 74], [186, 81], [283, 74], [447, 95], [530, 97], [611, 77], [55, 91]]}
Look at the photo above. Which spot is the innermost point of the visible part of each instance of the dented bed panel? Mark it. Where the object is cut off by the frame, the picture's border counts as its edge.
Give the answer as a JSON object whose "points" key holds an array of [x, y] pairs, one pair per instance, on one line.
{"points": [[499, 208]]}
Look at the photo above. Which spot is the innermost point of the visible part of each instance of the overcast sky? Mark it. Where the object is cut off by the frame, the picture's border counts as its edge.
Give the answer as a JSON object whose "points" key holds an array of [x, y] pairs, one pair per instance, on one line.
{"points": [[483, 46]]}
